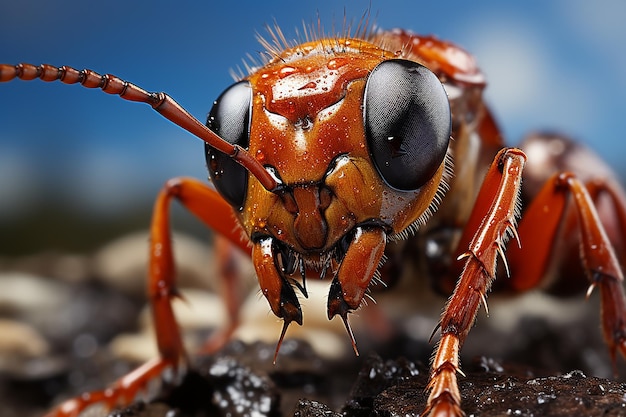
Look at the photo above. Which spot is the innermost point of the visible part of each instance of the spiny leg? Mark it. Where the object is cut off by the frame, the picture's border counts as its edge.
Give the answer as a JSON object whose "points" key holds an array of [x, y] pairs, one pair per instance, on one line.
{"points": [[209, 207], [230, 290], [598, 257], [604, 272], [611, 287], [499, 195]]}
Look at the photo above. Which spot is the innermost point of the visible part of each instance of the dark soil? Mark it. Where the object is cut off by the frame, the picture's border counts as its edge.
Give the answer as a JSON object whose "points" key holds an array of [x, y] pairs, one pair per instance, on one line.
{"points": [[226, 385], [536, 372]]}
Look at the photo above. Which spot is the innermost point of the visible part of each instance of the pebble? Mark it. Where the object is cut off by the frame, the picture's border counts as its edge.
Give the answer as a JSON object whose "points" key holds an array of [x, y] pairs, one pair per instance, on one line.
{"points": [[20, 341], [123, 263]]}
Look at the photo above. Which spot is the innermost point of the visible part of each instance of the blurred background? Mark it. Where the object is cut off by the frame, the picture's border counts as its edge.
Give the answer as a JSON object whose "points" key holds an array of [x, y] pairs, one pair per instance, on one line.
{"points": [[78, 167]]}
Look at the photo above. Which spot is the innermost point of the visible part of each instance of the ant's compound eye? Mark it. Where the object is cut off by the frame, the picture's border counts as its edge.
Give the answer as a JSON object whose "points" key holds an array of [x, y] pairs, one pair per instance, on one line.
{"points": [[230, 119], [407, 122]]}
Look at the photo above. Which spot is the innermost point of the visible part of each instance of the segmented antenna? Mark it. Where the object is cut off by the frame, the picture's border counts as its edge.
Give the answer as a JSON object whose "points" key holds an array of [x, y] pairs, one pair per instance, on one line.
{"points": [[161, 102]]}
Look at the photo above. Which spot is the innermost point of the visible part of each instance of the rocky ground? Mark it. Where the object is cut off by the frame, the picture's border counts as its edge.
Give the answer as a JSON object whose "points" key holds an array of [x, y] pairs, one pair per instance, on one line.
{"points": [[74, 323]]}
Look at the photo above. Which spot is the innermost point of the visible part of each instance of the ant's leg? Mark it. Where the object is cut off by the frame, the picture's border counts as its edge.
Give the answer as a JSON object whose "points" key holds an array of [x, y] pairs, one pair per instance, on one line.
{"points": [[539, 230], [230, 290], [494, 212], [207, 205]]}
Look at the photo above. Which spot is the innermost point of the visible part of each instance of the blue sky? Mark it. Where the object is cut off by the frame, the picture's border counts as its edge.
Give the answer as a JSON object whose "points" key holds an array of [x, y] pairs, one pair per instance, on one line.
{"points": [[550, 64]]}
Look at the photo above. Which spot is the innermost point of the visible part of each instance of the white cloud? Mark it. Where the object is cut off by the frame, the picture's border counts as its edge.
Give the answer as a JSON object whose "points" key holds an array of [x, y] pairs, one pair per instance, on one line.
{"points": [[601, 20], [600, 25], [528, 88], [514, 63]]}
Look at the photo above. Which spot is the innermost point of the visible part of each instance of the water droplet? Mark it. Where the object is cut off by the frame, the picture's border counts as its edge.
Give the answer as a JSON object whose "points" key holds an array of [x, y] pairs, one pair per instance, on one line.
{"points": [[285, 71]]}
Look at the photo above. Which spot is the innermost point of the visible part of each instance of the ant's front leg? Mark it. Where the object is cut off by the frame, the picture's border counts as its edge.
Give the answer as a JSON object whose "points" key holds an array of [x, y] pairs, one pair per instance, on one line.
{"points": [[495, 211], [209, 207]]}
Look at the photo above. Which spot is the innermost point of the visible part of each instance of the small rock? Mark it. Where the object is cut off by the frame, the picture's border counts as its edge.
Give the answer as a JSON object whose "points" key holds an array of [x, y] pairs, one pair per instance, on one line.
{"points": [[20, 341], [25, 294], [24, 352], [328, 337], [309, 408], [123, 263], [135, 347]]}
